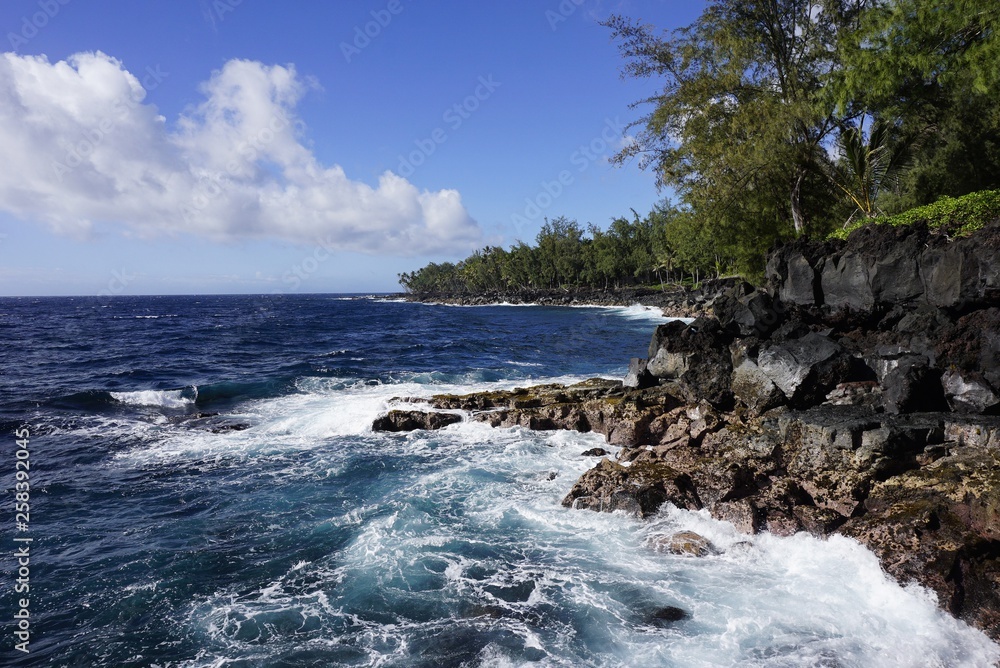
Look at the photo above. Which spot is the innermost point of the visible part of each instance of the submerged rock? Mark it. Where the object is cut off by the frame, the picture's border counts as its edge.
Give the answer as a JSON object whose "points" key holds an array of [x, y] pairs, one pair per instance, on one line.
{"points": [[683, 543], [667, 615]]}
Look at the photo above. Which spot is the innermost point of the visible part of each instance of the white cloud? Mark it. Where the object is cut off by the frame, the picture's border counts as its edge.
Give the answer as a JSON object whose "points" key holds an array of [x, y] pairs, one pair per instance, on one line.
{"points": [[78, 147]]}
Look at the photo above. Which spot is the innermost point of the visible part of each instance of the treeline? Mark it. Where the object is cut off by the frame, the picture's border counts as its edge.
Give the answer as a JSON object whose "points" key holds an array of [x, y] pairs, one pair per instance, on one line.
{"points": [[777, 119], [635, 252]]}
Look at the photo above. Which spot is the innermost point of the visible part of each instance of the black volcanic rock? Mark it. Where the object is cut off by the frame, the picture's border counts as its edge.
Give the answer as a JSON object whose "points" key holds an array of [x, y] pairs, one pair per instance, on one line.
{"points": [[696, 356], [746, 311], [755, 389], [638, 375], [806, 369], [845, 282], [397, 420]]}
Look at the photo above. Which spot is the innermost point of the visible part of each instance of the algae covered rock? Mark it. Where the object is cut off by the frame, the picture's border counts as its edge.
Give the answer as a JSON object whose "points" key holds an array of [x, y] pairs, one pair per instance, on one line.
{"points": [[639, 489], [682, 543]]}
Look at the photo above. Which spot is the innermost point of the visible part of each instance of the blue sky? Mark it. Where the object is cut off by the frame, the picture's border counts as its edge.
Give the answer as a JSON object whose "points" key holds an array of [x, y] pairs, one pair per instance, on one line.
{"points": [[244, 146]]}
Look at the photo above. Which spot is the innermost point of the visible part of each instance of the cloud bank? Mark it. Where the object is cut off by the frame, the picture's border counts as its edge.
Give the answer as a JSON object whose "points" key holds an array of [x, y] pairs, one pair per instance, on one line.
{"points": [[78, 147]]}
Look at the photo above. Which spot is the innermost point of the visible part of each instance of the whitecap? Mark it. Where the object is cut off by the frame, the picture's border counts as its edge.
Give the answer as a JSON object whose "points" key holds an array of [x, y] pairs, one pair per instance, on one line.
{"points": [[162, 398]]}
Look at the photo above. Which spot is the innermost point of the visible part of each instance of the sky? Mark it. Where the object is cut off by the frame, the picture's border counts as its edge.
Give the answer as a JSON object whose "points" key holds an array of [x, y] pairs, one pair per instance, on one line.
{"points": [[254, 146]]}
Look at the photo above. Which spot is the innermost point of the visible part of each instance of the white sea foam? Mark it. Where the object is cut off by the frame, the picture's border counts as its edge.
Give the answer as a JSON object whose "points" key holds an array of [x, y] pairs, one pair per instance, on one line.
{"points": [[475, 522], [481, 521], [163, 398], [325, 409]]}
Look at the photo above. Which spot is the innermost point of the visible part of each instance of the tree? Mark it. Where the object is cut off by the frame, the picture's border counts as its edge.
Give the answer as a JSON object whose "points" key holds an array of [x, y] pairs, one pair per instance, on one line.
{"points": [[866, 166], [559, 251], [935, 65], [628, 252], [743, 107]]}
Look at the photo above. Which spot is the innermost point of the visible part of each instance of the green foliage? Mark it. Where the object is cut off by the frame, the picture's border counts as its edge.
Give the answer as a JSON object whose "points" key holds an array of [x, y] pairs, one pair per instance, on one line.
{"points": [[909, 52], [959, 216], [759, 124], [660, 248], [935, 66], [867, 165], [743, 111], [758, 131]]}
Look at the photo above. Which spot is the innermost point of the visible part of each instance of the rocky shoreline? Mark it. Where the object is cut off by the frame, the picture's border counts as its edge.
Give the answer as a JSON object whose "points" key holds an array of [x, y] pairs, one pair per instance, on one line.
{"points": [[673, 301], [857, 393]]}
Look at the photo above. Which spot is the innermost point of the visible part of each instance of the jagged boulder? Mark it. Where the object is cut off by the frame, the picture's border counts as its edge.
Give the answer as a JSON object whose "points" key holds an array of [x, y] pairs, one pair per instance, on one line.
{"points": [[951, 274], [895, 275], [806, 369], [968, 392], [793, 277], [747, 311], [846, 282], [638, 375], [755, 389], [908, 380], [696, 356]]}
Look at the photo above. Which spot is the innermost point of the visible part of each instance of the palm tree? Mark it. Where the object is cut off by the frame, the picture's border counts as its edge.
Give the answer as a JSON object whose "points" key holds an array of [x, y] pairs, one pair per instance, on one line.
{"points": [[865, 167]]}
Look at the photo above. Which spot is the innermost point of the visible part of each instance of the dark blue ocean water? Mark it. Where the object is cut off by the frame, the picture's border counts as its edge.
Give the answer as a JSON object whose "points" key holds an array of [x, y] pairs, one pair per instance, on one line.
{"points": [[205, 490]]}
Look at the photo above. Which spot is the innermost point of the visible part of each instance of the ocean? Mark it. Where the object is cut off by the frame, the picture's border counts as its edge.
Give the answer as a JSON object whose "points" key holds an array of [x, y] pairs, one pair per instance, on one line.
{"points": [[205, 490]]}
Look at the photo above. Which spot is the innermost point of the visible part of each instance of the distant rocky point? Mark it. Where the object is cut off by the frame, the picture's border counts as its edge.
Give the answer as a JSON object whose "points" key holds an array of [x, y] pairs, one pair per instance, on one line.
{"points": [[673, 301]]}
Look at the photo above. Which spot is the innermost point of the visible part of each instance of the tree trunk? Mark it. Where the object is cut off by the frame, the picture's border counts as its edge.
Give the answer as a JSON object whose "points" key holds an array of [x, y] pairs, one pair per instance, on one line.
{"points": [[798, 217]]}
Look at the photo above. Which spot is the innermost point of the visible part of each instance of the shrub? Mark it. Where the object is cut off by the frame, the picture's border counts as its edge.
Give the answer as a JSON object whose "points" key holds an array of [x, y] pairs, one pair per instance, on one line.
{"points": [[955, 216]]}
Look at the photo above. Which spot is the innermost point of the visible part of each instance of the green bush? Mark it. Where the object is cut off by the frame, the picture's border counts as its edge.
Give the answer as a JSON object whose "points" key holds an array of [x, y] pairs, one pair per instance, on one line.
{"points": [[956, 216]]}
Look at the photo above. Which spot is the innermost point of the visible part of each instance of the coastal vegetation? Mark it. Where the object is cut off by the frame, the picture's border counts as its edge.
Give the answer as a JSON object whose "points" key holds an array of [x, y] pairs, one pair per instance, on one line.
{"points": [[775, 120], [955, 216]]}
